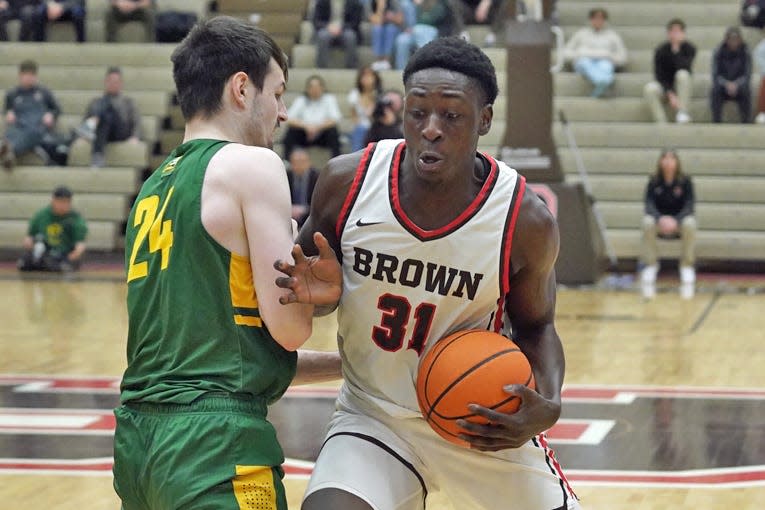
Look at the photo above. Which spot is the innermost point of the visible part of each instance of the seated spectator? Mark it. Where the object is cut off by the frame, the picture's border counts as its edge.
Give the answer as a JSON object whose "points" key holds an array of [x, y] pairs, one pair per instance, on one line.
{"points": [[313, 119], [481, 12], [387, 20], [731, 72], [386, 118], [55, 239], [363, 98], [759, 57], [57, 11], [672, 63], [302, 177], [30, 115], [433, 18], [123, 11], [337, 23], [669, 214], [596, 51], [113, 117]]}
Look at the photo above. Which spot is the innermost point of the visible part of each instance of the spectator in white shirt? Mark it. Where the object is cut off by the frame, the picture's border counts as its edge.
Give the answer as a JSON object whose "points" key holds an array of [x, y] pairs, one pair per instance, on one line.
{"points": [[313, 119]]}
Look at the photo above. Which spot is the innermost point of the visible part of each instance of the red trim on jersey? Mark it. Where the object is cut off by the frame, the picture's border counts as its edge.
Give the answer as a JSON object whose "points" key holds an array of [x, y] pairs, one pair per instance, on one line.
{"points": [[504, 271], [353, 191], [453, 225], [558, 471]]}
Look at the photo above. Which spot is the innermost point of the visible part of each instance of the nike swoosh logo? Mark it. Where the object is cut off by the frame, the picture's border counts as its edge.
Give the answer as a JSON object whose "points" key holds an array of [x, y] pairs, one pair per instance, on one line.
{"points": [[360, 223]]}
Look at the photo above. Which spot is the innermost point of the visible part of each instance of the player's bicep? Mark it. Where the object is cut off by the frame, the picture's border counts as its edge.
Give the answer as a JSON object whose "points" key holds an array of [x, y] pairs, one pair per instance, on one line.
{"points": [[531, 301], [267, 223]]}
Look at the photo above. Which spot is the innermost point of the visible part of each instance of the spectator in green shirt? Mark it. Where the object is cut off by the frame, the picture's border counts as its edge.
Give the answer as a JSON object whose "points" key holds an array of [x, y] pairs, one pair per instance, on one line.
{"points": [[55, 239]]}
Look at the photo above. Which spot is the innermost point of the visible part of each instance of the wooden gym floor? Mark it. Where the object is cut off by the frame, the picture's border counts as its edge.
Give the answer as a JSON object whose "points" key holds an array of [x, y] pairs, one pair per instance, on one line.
{"points": [[664, 404]]}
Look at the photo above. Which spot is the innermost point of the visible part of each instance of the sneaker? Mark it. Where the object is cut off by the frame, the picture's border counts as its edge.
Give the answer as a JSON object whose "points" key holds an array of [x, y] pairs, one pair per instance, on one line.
{"points": [[760, 118], [648, 274], [687, 274], [648, 290], [86, 130], [465, 35], [682, 117], [687, 290], [490, 40], [97, 160]]}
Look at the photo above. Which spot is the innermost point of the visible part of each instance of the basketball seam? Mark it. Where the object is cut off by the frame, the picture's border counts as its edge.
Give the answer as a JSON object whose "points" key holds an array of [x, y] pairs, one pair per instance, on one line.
{"points": [[463, 375], [494, 407]]}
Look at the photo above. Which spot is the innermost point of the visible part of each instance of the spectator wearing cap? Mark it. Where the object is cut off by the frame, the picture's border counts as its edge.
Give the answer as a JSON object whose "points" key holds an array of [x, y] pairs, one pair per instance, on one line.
{"points": [[55, 239], [30, 114], [113, 117]]}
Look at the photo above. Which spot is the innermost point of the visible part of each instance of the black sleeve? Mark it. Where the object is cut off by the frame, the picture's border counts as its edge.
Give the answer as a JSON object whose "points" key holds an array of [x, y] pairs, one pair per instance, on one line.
{"points": [[9, 97], [650, 204], [744, 80], [689, 205], [51, 103], [685, 56], [354, 14]]}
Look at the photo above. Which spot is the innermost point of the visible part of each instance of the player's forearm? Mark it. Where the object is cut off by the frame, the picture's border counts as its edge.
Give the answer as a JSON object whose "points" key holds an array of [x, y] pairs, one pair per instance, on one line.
{"points": [[317, 366], [545, 353]]}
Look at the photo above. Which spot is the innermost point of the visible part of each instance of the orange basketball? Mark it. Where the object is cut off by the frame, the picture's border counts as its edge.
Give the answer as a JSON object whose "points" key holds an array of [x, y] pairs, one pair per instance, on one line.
{"points": [[469, 367]]}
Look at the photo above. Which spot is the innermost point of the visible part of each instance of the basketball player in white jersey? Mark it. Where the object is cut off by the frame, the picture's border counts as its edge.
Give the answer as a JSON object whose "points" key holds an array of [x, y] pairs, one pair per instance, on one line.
{"points": [[434, 237]]}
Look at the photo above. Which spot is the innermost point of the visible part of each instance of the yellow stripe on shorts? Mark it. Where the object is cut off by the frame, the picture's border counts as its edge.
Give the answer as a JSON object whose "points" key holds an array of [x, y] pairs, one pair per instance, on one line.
{"points": [[254, 488]]}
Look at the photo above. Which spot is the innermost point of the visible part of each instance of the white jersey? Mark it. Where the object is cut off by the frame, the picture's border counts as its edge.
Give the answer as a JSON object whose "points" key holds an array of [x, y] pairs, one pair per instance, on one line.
{"points": [[405, 287]]}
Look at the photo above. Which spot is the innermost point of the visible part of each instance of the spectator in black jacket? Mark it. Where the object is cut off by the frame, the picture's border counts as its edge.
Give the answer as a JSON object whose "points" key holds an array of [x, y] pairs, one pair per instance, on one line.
{"points": [[30, 114], [302, 177], [731, 72], [669, 214], [672, 63], [45, 11], [337, 23]]}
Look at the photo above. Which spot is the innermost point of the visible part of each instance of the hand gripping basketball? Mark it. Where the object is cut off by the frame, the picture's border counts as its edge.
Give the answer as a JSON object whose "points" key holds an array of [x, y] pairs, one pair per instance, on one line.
{"points": [[316, 280], [471, 382]]}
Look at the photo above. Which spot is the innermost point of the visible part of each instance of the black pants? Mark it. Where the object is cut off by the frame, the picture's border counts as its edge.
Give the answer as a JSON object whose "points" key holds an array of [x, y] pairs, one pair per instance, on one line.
{"points": [[53, 262], [111, 126], [296, 137], [743, 99], [34, 22]]}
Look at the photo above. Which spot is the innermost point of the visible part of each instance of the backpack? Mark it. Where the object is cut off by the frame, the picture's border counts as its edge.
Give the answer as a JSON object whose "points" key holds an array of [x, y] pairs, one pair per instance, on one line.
{"points": [[172, 26], [753, 13]]}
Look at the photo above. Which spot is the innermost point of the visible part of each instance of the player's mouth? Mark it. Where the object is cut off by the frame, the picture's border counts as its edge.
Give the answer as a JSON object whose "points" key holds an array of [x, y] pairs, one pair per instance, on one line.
{"points": [[429, 161]]}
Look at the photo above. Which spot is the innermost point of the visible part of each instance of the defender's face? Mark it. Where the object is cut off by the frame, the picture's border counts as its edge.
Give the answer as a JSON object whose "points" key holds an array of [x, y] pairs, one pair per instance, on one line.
{"points": [[443, 118], [268, 108]]}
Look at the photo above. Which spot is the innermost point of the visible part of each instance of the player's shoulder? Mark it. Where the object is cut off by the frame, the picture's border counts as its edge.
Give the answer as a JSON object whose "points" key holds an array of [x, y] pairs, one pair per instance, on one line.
{"points": [[243, 159]]}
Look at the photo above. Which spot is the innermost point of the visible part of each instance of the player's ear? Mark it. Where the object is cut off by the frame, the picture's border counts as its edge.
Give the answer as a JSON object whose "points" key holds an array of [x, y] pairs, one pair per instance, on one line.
{"points": [[237, 88], [487, 114]]}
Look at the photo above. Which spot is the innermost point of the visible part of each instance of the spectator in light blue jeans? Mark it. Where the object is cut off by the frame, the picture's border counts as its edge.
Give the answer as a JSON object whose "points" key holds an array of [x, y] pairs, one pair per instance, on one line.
{"points": [[596, 51], [433, 18], [387, 19]]}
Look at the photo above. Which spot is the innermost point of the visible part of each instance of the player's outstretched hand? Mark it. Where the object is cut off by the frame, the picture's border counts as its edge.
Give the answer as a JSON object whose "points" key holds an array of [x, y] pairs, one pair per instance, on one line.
{"points": [[535, 415], [316, 280]]}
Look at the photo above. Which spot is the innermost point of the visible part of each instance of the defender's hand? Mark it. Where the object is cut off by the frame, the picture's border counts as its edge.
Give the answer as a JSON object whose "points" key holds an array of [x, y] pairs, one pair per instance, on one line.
{"points": [[316, 280]]}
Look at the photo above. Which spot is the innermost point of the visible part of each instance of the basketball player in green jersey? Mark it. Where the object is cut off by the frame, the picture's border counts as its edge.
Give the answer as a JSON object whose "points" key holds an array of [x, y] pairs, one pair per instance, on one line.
{"points": [[209, 345]]}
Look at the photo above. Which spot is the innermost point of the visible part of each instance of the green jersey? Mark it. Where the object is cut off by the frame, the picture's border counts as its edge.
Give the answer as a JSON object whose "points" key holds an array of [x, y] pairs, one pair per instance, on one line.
{"points": [[61, 233], [193, 319]]}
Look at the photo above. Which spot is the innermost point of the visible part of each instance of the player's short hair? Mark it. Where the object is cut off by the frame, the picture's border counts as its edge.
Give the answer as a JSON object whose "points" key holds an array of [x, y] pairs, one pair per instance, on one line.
{"points": [[676, 22], [113, 70], [211, 53], [597, 10], [455, 54], [28, 66]]}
